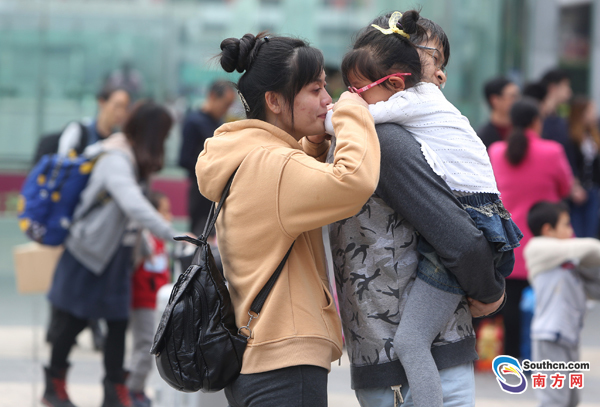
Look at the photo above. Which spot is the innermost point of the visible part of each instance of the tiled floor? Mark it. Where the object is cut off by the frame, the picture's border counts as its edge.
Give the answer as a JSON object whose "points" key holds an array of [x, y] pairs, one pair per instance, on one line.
{"points": [[23, 351]]}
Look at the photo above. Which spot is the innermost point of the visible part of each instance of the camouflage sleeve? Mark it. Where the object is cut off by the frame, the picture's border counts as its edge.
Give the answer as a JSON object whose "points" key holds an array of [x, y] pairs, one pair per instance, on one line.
{"points": [[409, 185]]}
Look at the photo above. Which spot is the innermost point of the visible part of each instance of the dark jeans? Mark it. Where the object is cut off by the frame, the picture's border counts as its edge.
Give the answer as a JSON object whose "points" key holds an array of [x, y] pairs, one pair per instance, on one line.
{"points": [[69, 326], [512, 316], [296, 386], [584, 218]]}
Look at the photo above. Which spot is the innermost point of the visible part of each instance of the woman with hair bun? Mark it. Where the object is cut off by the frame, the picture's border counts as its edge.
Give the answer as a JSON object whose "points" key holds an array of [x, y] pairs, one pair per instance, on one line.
{"points": [[281, 194]]}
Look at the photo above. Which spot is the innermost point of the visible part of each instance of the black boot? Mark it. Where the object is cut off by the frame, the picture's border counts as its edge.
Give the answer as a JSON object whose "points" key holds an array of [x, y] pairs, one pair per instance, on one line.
{"points": [[116, 394], [55, 394]]}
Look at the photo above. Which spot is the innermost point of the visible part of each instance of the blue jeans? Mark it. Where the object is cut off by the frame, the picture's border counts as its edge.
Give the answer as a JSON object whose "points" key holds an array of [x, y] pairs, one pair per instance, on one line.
{"points": [[502, 234], [458, 385]]}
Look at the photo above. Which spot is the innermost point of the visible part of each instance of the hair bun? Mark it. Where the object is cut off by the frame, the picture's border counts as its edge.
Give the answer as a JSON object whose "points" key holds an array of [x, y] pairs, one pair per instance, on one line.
{"points": [[235, 53], [409, 21]]}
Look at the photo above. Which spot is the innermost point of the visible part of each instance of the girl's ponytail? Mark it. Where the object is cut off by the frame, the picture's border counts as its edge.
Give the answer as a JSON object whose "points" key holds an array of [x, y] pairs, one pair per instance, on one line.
{"points": [[522, 115]]}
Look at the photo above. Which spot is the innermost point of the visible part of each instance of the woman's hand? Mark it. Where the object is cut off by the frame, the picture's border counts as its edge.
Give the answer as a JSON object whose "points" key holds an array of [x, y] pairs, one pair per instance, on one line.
{"points": [[351, 96], [578, 194], [479, 309]]}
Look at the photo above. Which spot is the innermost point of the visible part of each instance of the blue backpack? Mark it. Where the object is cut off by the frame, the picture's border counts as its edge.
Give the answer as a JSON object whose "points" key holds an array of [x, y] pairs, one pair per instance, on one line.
{"points": [[50, 194]]}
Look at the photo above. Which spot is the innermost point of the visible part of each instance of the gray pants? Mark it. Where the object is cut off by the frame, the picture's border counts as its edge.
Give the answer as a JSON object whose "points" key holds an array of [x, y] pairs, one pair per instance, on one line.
{"points": [[142, 323], [555, 352]]}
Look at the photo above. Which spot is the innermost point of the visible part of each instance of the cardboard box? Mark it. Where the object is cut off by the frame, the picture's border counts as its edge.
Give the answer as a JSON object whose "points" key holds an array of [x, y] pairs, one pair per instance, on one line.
{"points": [[34, 266]]}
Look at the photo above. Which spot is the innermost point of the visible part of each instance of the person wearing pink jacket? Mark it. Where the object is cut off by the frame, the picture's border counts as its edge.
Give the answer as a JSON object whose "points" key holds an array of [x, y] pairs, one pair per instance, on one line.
{"points": [[528, 169]]}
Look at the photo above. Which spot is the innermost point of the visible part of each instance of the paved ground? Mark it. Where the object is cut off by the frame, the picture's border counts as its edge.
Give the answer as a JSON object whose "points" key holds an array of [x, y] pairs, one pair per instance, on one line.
{"points": [[22, 352]]}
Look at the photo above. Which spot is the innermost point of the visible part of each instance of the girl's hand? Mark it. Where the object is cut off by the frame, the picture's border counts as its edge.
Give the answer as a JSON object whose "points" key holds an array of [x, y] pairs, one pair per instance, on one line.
{"points": [[351, 96]]}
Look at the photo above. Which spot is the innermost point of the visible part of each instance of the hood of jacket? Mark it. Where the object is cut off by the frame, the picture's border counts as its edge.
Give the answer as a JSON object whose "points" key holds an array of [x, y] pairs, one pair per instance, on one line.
{"points": [[226, 150], [114, 142]]}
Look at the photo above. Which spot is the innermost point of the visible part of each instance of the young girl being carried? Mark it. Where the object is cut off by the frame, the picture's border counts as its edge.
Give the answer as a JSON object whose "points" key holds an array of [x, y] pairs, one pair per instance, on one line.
{"points": [[385, 69]]}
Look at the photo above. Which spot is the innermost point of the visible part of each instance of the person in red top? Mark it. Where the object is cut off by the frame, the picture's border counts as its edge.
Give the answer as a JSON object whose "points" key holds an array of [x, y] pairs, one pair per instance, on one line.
{"points": [[528, 169], [150, 275]]}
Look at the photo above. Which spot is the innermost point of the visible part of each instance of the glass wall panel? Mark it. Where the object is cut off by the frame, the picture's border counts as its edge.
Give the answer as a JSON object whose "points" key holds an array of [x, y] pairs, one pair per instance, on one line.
{"points": [[55, 55]]}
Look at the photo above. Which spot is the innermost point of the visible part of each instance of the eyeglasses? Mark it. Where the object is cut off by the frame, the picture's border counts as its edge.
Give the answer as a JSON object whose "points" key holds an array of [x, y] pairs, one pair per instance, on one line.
{"points": [[436, 57], [372, 85]]}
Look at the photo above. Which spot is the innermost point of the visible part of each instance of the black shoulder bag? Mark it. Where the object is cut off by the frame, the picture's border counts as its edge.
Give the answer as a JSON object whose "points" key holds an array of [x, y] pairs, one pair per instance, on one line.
{"points": [[197, 344]]}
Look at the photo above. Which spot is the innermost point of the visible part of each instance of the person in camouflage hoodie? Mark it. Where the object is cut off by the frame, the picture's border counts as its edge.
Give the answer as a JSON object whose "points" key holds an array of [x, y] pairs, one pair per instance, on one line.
{"points": [[375, 262]]}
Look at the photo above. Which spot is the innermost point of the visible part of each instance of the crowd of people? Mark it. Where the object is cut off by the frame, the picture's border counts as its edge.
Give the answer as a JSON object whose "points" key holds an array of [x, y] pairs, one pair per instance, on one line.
{"points": [[538, 155], [428, 222]]}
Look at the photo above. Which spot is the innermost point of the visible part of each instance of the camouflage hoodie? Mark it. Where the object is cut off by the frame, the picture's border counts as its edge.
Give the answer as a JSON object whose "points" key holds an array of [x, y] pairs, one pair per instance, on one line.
{"points": [[375, 262]]}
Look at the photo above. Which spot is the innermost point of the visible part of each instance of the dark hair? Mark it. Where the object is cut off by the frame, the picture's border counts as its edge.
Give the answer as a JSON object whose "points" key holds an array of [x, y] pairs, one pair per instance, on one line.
{"points": [[432, 31], [522, 115], [375, 55], [219, 88], [278, 64], [535, 90], [554, 76], [543, 213], [154, 197], [495, 87], [578, 128], [106, 92], [147, 129]]}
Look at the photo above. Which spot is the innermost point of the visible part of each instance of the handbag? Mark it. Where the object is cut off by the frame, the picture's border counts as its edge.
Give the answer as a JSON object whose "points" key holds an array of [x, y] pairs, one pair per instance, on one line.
{"points": [[197, 344]]}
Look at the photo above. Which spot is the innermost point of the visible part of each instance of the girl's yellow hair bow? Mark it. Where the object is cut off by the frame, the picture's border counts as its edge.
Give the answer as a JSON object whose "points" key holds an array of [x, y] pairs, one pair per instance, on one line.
{"points": [[396, 16]]}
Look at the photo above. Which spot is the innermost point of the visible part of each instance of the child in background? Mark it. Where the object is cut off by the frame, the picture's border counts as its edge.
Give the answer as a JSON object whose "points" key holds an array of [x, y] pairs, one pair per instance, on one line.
{"points": [[563, 271], [150, 275], [385, 69]]}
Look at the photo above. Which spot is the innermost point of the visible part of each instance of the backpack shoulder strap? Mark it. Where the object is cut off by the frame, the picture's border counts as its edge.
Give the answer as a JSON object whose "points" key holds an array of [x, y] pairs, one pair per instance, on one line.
{"points": [[83, 138]]}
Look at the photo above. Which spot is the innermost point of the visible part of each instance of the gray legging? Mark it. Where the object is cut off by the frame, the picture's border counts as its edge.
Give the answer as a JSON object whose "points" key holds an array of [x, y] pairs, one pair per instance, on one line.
{"points": [[296, 386], [426, 312]]}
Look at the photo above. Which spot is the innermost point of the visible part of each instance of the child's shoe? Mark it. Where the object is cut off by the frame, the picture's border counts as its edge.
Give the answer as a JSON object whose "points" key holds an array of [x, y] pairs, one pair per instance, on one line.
{"points": [[139, 399]]}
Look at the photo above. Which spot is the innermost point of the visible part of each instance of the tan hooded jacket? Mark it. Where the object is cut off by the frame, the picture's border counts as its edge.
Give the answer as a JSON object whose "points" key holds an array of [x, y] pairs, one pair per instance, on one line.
{"points": [[281, 194]]}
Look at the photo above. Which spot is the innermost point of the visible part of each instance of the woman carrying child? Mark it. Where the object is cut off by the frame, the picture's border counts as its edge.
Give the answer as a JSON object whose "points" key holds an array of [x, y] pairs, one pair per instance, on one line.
{"points": [[384, 67], [280, 196]]}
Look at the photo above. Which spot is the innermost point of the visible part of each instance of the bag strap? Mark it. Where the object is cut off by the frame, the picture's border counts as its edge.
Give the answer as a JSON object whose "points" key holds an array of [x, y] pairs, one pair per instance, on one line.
{"points": [[260, 299], [82, 143], [214, 213]]}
